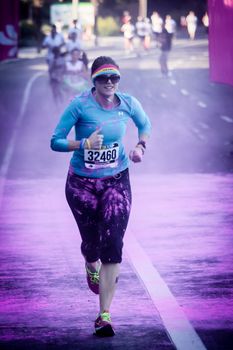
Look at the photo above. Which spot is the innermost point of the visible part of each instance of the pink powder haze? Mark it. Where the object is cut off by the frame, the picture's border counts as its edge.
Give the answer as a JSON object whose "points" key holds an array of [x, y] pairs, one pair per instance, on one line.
{"points": [[182, 203], [183, 222]]}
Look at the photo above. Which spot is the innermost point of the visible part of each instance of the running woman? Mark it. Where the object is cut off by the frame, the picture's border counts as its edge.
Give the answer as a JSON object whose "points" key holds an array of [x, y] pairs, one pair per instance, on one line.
{"points": [[98, 186]]}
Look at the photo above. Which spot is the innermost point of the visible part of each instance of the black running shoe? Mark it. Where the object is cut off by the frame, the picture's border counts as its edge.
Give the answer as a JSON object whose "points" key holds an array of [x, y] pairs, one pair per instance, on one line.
{"points": [[103, 325]]}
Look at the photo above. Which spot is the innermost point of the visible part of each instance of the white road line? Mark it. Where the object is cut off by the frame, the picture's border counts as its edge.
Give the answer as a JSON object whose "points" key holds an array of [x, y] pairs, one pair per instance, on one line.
{"points": [[172, 81], [10, 149], [226, 118], [198, 133], [205, 126], [184, 92], [201, 104], [175, 321], [200, 136]]}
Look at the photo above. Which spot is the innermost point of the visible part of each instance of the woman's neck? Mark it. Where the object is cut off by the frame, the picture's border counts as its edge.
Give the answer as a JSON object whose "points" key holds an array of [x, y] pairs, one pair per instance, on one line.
{"points": [[107, 102]]}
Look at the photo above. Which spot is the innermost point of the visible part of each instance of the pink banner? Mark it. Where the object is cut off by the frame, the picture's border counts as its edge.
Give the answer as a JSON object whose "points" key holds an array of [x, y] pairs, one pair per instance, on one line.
{"points": [[221, 40], [9, 24]]}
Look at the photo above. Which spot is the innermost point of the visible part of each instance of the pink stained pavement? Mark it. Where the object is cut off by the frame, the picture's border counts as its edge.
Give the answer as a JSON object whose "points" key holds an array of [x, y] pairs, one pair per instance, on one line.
{"points": [[45, 297], [182, 221]]}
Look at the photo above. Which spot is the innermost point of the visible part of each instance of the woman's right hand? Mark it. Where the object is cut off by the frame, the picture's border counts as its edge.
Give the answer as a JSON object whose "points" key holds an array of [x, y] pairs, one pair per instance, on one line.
{"points": [[95, 140]]}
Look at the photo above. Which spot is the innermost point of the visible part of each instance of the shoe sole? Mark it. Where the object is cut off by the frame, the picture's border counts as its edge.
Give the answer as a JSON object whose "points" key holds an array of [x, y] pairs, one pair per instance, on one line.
{"points": [[94, 289], [105, 331]]}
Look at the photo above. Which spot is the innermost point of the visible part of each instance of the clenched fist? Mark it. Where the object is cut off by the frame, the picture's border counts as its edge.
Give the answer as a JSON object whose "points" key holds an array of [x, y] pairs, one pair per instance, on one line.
{"points": [[136, 155], [96, 139]]}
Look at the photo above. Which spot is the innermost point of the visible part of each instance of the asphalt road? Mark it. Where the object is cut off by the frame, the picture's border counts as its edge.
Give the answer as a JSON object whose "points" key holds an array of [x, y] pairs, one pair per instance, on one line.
{"points": [[175, 289]]}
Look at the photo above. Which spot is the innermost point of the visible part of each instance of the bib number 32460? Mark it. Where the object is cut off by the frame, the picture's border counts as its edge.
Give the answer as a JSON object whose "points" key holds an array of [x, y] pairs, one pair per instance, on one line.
{"points": [[101, 158]]}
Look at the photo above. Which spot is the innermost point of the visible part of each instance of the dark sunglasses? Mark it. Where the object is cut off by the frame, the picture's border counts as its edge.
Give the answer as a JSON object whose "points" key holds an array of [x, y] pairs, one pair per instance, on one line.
{"points": [[103, 79]]}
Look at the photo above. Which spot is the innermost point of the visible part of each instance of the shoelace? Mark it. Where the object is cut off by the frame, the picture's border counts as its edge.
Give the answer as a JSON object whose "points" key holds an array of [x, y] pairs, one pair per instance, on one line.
{"points": [[94, 276], [105, 316]]}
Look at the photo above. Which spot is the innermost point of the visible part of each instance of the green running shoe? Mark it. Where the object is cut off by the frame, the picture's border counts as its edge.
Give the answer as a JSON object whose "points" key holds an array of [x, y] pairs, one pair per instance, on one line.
{"points": [[103, 325], [93, 279]]}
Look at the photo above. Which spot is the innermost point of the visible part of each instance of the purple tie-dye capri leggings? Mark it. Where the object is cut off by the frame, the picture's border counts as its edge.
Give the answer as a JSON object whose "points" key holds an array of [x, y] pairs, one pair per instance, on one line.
{"points": [[101, 208]]}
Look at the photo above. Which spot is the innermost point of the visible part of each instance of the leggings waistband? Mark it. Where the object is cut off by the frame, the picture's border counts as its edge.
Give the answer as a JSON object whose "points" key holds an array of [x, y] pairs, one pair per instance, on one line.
{"points": [[116, 176]]}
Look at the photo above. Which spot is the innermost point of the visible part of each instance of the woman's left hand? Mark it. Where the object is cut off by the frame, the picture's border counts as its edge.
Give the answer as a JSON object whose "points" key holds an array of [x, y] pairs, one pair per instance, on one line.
{"points": [[136, 155]]}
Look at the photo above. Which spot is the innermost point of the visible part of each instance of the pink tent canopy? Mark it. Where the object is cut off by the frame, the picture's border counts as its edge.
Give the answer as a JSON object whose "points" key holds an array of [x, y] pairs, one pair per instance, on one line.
{"points": [[221, 40], [9, 29]]}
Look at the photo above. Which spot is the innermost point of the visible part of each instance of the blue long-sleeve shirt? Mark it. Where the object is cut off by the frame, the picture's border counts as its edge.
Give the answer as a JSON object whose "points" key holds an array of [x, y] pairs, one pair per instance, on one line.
{"points": [[86, 115]]}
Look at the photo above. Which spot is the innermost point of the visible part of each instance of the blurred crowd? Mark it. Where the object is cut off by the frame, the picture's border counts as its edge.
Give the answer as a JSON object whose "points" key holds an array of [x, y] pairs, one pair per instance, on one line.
{"points": [[147, 29], [67, 61], [160, 30]]}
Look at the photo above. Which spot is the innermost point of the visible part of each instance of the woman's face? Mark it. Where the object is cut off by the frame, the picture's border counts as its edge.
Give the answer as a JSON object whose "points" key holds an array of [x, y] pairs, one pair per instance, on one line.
{"points": [[107, 85], [75, 55]]}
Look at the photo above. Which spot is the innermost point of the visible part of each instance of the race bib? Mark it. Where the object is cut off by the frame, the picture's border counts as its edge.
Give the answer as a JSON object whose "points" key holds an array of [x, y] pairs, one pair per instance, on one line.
{"points": [[101, 158]]}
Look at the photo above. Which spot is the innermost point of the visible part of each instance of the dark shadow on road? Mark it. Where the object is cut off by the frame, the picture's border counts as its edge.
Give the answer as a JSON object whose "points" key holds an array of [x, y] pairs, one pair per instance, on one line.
{"points": [[73, 339]]}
